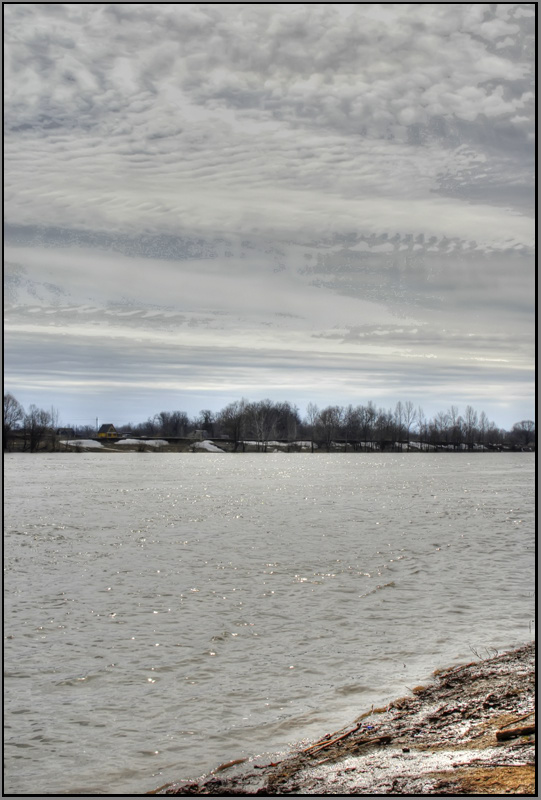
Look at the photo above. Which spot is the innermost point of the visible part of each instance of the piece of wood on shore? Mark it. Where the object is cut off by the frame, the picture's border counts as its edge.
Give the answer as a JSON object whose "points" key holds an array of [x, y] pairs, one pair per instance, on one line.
{"points": [[321, 744], [229, 764], [371, 740], [512, 733]]}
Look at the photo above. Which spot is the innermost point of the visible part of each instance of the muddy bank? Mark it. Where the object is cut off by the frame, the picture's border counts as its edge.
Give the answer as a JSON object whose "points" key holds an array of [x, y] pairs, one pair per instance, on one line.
{"points": [[471, 731]]}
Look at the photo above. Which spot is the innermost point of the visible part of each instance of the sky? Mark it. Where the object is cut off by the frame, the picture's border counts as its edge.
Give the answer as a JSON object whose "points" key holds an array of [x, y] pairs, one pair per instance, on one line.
{"points": [[314, 202]]}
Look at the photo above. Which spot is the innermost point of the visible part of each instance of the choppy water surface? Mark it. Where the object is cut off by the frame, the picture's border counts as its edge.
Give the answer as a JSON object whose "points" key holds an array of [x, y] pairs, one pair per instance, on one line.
{"points": [[166, 613]]}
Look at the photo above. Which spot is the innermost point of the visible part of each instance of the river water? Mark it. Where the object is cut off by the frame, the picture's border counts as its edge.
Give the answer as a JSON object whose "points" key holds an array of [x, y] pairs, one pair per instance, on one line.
{"points": [[165, 613]]}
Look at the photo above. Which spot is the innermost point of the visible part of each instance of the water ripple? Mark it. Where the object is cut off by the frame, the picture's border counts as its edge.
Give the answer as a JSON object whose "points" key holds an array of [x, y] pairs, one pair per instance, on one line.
{"points": [[213, 609]]}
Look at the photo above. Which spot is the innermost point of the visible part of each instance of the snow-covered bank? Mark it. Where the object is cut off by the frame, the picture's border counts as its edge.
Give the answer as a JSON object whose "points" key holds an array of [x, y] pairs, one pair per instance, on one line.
{"points": [[82, 443], [149, 442], [208, 447]]}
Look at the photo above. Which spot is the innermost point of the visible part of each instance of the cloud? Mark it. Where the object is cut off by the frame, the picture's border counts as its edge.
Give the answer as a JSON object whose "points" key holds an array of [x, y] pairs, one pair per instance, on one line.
{"points": [[262, 117], [188, 175], [129, 379]]}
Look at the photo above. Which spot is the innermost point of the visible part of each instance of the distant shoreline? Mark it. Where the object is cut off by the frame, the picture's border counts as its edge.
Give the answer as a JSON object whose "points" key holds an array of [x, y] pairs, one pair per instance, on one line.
{"points": [[219, 446]]}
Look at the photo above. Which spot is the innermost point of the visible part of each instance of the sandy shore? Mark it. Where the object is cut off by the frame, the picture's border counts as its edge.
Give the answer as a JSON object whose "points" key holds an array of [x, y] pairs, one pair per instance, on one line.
{"points": [[471, 731]]}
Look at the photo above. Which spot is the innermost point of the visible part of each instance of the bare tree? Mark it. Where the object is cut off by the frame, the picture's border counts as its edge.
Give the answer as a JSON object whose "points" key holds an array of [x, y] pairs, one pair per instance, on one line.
{"points": [[53, 422], [13, 415], [384, 428], [350, 422], [88, 431], [312, 416], [262, 418], [442, 428], [524, 432], [289, 420], [36, 423], [232, 419], [483, 427], [206, 420], [328, 423], [367, 417], [470, 424], [399, 416], [172, 423], [422, 427], [455, 426], [410, 415], [494, 436]]}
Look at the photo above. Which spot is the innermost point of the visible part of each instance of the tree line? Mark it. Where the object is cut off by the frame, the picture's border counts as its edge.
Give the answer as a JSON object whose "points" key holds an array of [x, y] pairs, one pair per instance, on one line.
{"points": [[361, 427]]}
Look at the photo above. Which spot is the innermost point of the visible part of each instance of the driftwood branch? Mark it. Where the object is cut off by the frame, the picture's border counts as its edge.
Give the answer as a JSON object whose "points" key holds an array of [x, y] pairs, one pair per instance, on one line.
{"points": [[511, 733], [383, 739], [320, 745], [229, 764]]}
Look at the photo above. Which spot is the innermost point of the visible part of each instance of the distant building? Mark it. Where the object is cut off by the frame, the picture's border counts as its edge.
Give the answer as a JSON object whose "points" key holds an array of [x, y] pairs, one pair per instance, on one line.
{"points": [[107, 432], [65, 432], [199, 435]]}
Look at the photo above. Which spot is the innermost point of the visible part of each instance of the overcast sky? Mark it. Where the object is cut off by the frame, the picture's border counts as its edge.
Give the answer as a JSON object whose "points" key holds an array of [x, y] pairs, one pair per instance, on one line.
{"points": [[307, 202]]}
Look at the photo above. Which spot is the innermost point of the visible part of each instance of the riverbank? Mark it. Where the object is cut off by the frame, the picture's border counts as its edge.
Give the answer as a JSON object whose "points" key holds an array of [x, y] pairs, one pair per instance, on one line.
{"points": [[471, 731]]}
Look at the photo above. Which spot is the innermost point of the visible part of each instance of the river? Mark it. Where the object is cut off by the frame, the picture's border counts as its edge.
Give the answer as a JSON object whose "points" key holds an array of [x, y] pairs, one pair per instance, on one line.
{"points": [[165, 613]]}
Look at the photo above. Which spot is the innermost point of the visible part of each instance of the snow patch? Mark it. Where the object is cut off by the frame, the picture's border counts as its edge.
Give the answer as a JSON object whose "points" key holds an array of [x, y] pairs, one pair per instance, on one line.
{"points": [[150, 442], [81, 443], [208, 447]]}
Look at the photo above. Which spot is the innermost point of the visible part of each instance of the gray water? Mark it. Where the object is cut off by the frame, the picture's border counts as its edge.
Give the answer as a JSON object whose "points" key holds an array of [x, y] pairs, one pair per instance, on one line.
{"points": [[165, 613]]}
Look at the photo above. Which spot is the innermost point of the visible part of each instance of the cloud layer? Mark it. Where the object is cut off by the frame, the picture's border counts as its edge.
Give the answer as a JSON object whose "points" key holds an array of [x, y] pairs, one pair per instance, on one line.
{"points": [[199, 118], [361, 168]]}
